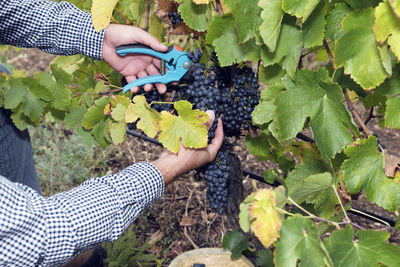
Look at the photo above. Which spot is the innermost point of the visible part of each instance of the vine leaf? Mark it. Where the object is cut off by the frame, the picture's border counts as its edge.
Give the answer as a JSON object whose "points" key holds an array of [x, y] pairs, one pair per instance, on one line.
{"points": [[288, 50], [390, 87], [335, 17], [247, 19], [117, 131], [265, 219], [196, 17], [95, 114], [188, 127], [299, 8], [387, 27], [118, 113], [396, 7], [148, 118], [369, 249], [74, 117], [299, 241], [270, 26], [236, 242], [392, 114], [314, 28], [201, 2], [222, 34], [62, 95], [364, 169], [361, 59], [311, 183], [311, 94], [101, 13]]}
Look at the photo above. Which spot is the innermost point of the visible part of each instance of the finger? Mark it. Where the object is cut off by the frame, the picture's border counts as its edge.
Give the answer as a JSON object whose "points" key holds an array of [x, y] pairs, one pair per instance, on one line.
{"points": [[146, 87], [211, 119], [152, 70], [147, 39], [216, 143], [130, 79]]}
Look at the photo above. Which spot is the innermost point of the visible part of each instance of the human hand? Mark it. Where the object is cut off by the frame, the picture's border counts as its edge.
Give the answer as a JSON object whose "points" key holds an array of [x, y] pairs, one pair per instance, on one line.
{"points": [[132, 66], [173, 165]]}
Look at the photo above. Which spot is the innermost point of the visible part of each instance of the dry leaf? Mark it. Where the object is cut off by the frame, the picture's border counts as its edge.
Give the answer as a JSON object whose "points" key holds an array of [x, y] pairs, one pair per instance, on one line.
{"points": [[186, 221], [392, 163]]}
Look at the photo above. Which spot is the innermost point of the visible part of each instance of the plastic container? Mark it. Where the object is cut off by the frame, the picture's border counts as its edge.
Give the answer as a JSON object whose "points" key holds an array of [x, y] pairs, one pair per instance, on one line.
{"points": [[211, 257]]}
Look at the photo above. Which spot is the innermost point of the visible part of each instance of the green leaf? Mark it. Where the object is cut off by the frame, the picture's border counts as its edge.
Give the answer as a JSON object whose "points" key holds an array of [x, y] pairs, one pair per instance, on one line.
{"points": [[264, 258], [391, 86], [32, 106], [270, 75], [329, 127], [362, 4], [222, 34], [263, 113], [20, 120], [310, 187], [236, 243], [334, 20], [361, 59], [364, 169], [288, 50], [61, 76], [259, 146], [188, 127], [299, 8], [370, 248], [270, 26], [149, 118], [314, 28], [387, 27], [247, 19], [118, 113], [100, 132], [197, 17], [392, 114], [117, 131], [299, 241], [15, 94], [396, 7], [95, 114], [308, 95], [74, 117]]}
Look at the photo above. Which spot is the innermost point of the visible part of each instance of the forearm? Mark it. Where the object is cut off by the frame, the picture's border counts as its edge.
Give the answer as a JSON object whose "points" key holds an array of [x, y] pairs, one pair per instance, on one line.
{"points": [[56, 28], [58, 227]]}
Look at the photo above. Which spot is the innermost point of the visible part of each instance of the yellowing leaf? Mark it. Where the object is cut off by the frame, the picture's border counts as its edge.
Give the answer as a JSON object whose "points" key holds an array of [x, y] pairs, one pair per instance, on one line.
{"points": [[387, 27], [201, 2], [117, 132], [266, 222], [102, 12], [188, 127], [118, 113], [149, 118]]}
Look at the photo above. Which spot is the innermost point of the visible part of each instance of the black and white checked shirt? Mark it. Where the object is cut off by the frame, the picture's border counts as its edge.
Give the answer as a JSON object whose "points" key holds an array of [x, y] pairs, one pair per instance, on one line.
{"points": [[38, 231], [56, 28]]}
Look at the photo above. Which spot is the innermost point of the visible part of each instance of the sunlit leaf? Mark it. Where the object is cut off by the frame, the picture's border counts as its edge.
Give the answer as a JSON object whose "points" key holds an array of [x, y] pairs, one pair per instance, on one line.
{"points": [[101, 13]]}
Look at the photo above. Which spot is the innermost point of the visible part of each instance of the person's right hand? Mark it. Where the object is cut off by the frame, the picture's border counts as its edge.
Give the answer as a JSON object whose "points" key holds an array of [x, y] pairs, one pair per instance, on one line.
{"points": [[174, 165]]}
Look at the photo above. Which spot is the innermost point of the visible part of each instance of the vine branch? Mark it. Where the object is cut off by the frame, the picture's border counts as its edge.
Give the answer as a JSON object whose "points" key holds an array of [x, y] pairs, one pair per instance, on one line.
{"points": [[219, 7]]}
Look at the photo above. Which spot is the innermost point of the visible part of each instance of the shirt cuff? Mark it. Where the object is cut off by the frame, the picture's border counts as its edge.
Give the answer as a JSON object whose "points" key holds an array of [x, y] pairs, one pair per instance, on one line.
{"points": [[91, 41]]}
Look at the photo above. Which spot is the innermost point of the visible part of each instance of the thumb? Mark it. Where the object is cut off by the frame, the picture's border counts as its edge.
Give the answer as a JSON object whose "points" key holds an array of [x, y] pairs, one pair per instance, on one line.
{"points": [[211, 119]]}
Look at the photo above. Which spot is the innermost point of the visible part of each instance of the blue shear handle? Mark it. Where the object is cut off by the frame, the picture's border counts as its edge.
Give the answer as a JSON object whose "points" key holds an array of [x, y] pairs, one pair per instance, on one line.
{"points": [[170, 56]]}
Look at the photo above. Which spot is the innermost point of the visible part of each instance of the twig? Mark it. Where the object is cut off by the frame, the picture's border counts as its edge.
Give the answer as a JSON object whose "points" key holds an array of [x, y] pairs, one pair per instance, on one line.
{"points": [[341, 204], [185, 227], [146, 27], [356, 116], [219, 7], [328, 51], [370, 116], [305, 138]]}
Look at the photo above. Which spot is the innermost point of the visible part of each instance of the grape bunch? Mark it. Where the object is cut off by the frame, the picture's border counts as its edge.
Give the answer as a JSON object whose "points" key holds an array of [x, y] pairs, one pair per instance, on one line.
{"points": [[216, 175], [232, 93], [175, 17]]}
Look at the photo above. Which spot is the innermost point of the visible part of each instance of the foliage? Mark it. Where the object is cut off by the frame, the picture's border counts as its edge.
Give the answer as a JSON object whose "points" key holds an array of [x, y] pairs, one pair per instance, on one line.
{"points": [[357, 48], [125, 251]]}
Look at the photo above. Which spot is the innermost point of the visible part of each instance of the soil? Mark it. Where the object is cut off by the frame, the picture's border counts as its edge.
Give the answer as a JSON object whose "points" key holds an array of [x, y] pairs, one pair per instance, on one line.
{"points": [[181, 220]]}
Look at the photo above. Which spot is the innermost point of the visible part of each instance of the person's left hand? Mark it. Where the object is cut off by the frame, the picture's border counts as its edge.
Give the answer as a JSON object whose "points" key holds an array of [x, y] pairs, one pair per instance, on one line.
{"points": [[132, 66]]}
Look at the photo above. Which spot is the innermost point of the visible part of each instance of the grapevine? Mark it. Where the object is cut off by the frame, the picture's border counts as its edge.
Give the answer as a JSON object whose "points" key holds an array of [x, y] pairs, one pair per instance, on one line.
{"points": [[309, 75]]}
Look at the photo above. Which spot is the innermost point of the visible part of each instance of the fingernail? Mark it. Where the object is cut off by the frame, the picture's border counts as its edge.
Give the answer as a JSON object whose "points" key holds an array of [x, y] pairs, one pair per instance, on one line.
{"points": [[162, 46]]}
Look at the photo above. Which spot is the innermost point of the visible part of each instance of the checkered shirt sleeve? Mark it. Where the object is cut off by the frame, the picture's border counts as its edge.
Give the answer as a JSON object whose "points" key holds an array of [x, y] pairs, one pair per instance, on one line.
{"points": [[55, 28], [38, 231]]}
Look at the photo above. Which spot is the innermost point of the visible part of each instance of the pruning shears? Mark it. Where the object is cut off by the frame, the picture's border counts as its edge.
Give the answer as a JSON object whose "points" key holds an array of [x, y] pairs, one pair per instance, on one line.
{"points": [[176, 60]]}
